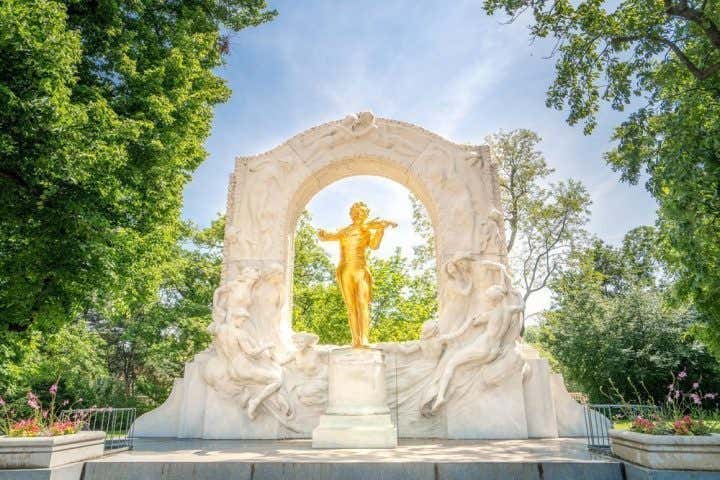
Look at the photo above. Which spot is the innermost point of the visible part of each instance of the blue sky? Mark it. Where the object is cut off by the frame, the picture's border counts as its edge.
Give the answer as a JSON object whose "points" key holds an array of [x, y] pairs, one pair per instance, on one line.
{"points": [[452, 70]]}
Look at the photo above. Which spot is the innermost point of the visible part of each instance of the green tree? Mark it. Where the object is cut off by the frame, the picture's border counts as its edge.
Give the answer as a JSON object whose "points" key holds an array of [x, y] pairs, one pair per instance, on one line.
{"points": [[317, 302], [544, 221], [74, 356], [664, 56], [610, 324], [125, 356], [148, 346], [104, 109]]}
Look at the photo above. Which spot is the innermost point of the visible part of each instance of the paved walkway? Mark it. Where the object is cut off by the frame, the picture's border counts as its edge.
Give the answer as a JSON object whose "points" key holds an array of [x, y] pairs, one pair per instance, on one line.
{"points": [[552, 459], [299, 451]]}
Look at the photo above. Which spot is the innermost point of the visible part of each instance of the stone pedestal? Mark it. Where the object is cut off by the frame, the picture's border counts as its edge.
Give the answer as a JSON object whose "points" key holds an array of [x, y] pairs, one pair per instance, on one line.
{"points": [[50, 452], [357, 415]]}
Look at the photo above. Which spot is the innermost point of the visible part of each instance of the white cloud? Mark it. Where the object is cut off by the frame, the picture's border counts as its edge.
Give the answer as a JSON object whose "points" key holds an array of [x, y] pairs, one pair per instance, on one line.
{"points": [[452, 70]]}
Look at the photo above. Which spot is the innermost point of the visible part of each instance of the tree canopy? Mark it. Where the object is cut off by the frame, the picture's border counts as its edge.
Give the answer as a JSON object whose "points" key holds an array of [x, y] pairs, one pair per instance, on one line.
{"points": [[104, 109], [662, 56], [611, 326], [545, 222]]}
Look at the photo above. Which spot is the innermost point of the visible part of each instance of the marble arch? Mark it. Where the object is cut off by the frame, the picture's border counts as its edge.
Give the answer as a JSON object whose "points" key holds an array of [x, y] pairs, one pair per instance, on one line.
{"points": [[456, 183], [470, 376]]}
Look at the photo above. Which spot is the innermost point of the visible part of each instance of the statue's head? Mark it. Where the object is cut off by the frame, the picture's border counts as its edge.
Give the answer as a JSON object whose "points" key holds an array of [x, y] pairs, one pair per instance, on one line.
{"points": [[496, 216], [239, 316], [429, 329], [359, 212], [495, 294], [249, 274], [304, 340], [365, 118]]}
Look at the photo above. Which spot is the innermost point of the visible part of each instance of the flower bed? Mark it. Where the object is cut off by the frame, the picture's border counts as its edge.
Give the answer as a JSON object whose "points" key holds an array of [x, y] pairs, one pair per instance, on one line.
{"points": [[41, 439], [676, 434], [672, 452], [50, 452], [42, 422]]}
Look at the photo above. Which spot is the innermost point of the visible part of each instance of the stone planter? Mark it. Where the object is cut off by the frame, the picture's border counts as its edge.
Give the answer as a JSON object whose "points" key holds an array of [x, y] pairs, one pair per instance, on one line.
{"points": [[669, 452], [49, 452]]}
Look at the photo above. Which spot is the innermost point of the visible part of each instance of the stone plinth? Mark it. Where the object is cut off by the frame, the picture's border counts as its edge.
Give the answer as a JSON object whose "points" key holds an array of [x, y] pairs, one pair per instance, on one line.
{"points": [[357, 415], [679, 452], [50, 452]]}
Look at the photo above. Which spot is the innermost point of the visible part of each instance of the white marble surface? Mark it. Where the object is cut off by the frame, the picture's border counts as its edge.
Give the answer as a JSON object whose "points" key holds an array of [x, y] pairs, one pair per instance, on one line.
{"points": [[357, 414], [50, 452], [299, 451], [569, 414], [539, 401], [677, 452]]}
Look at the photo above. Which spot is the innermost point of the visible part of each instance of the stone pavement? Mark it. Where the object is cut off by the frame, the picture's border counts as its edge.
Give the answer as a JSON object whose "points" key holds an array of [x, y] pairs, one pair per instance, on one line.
{"points": [[170, 459]]}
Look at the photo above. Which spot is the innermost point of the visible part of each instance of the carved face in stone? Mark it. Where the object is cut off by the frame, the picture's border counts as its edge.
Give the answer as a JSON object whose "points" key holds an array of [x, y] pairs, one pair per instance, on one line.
{"points": [[365, 119], [359, 212], [494, 295], [304, 340], [496, 216], [239, 316], [429, 329]]}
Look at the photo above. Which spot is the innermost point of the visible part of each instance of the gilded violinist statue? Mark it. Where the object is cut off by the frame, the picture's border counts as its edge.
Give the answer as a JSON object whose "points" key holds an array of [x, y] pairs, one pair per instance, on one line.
{"points": [[353, 275]]}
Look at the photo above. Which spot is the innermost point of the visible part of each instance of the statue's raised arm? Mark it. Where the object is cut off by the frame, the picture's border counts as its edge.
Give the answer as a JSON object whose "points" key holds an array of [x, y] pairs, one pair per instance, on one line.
{"points": [[326, 236], [377, 230]]}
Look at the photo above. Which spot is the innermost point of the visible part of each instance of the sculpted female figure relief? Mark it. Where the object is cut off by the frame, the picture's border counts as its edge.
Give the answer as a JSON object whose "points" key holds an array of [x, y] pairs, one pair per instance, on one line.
{"points": [[241, 365]]}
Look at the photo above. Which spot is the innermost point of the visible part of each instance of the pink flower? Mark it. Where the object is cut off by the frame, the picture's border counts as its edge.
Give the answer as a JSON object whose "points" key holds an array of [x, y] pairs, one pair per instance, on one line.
{"points": [[671, 386], [33, 401], [682, 374], [695, 398], [711, 396], [65, 402], [44, 413], [2, 402], [677, 393], [696, 385], [53, 388]]}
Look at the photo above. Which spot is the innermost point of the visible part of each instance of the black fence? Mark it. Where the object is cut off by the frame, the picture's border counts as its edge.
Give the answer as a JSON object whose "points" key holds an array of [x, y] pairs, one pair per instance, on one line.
{"points": [[600, 418], [117, 423]]}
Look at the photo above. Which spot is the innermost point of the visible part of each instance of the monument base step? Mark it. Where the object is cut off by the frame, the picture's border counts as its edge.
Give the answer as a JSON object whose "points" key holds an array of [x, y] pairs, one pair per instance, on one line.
{"points": [[71, 471], [355, 431], [355, 471], [422, 459]]}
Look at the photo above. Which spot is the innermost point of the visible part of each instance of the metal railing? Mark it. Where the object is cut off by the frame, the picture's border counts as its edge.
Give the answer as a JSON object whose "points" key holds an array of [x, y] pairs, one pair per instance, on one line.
{"points": [[117, 423], [600, 418]]}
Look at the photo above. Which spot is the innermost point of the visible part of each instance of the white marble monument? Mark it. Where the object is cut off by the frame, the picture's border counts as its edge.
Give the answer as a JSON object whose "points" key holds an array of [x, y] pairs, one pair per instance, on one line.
{"points": [[469, 376], [357, 414]]}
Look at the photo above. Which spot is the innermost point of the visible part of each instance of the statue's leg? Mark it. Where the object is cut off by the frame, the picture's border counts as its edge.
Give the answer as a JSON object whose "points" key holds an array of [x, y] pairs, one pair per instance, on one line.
{"points": [[254, 403], [364, 286], [347, 287], [466, 355]]}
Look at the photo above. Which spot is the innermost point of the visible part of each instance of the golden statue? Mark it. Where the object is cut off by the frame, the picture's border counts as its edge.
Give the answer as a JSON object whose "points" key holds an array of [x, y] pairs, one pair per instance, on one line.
{"points": [[353, 275]]}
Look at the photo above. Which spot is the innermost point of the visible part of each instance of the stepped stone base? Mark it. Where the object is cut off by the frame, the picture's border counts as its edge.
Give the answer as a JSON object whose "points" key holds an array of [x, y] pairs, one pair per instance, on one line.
{"points": [[355, 431]]}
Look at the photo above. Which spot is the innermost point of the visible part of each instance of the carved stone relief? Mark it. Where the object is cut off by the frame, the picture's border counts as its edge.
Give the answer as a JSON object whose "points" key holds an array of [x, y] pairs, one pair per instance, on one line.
{"points": [[276, 380]]}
